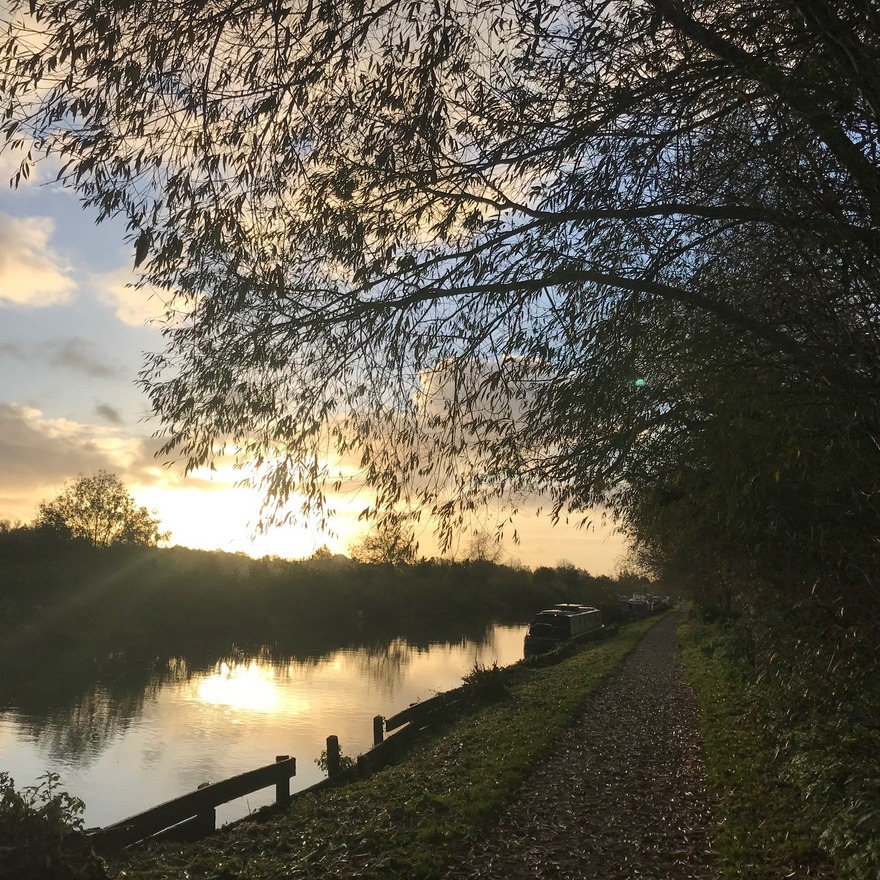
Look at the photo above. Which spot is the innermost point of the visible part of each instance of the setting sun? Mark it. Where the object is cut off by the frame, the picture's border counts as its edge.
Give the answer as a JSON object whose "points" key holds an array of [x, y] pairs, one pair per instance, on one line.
{"points": [[222, 516]]}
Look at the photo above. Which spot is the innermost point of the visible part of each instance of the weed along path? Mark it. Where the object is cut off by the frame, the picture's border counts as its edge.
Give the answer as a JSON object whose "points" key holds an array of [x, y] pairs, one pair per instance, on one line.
{"points": [[622, 795]]}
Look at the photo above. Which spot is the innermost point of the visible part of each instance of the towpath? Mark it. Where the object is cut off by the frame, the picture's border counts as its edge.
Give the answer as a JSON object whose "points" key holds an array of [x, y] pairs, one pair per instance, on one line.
{"points": [[622, 796]]}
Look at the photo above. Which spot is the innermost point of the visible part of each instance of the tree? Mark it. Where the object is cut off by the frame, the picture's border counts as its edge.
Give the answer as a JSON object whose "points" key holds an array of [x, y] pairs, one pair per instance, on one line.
{"points": [[486, 249], [388, 543], [99, 510], [483, 547]]}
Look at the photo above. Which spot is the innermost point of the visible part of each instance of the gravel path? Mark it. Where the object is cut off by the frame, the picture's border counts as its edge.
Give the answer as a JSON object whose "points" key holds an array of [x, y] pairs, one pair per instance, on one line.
{"points": [[623, 795]]}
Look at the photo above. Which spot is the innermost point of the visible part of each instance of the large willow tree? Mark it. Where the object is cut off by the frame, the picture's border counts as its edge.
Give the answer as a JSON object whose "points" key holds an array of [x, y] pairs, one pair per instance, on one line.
{"points": [[614, 252]]}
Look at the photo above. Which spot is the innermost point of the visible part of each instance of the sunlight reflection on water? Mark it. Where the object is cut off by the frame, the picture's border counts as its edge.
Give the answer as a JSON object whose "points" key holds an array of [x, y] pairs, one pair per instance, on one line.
{"points": [[143, 734], [248, 686]]}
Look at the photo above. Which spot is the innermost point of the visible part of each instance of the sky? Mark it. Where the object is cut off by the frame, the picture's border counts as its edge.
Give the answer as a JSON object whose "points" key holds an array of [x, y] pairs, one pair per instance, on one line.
{"points": [[72, 338]]}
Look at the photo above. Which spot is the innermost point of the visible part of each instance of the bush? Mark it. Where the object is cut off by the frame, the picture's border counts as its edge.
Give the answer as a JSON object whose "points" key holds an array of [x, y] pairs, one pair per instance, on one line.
{"points": [[347, 764], [41, 833], [485, 682]]}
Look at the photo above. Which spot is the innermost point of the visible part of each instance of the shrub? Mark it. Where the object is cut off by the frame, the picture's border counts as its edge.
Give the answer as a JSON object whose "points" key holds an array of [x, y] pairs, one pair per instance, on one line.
{"points": [[41, 833], [485, 682], [347, 764]]}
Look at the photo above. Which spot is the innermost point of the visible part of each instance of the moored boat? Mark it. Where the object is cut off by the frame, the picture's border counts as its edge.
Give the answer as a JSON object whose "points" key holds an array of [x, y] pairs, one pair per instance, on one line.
{"points": [[561, 623]]}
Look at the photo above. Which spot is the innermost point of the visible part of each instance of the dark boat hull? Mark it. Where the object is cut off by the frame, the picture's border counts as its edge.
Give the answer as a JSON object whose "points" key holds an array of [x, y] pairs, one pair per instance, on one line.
{"points": [[556, 626]]}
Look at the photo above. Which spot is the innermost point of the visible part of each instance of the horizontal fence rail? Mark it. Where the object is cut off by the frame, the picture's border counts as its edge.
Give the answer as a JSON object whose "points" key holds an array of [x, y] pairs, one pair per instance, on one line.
{"points": [[421, 710], [198, 806], [411, 720]]}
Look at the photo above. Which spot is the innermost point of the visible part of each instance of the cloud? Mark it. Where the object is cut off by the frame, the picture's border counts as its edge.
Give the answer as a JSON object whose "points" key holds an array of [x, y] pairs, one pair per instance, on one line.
{"points": [[34, 449], [15, 350], [67, 353], [109, 414], [79, 354], [42, 170], [38, 455], [32, 275], [10, 162], [135, 307]]}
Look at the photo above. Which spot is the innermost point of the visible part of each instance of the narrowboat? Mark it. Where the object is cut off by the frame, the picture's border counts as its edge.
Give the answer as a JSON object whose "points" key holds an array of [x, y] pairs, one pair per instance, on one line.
{"points": [[561, 623]]}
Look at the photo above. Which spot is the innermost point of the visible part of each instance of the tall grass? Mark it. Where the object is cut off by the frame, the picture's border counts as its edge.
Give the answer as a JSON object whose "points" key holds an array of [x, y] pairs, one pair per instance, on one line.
{"points": [[789, 712]]}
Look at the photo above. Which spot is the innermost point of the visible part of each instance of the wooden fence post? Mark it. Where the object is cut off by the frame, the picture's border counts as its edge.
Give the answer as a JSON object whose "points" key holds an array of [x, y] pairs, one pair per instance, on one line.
{"points": [[203, 824], [378, 729], [282, 785], [332, 756]]}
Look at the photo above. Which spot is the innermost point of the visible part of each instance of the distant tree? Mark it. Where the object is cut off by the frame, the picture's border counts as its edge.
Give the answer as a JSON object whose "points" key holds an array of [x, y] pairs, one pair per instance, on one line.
{"points": [[569, 575], [390, 542], [100, 510], [483, 547], [13, 534], [10, 529], [322, 552]]}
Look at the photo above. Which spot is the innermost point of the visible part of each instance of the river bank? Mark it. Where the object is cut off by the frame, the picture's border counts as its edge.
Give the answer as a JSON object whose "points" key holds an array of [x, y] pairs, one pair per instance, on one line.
{"points": [[462, 791], [409, 819], [80, 599], [438, 811]]}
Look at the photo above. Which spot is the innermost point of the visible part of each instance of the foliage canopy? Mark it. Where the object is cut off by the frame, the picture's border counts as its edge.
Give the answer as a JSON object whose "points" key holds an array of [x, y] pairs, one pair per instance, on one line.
{"points": [[620, 253], [100, 510]]}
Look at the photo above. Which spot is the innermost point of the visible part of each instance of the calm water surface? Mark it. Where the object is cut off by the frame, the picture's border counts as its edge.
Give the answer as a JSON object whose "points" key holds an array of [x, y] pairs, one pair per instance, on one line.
{"points": [[126, 734]]}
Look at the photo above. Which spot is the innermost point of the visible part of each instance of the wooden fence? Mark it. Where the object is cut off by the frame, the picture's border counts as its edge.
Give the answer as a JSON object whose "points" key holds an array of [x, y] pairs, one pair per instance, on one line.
{"points": [[407, 722], [420, 711], [194, 814]]}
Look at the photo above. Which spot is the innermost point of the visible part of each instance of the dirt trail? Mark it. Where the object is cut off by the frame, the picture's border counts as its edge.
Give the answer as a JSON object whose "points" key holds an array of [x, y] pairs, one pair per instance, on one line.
{"points": [[622, 796]]}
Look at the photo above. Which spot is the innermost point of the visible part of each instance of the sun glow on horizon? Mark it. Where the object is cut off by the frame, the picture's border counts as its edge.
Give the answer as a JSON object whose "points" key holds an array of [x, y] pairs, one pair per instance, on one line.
{"points": [[225, 517]]}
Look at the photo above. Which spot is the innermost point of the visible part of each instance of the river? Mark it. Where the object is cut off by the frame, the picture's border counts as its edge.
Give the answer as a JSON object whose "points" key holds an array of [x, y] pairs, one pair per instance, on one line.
{"points": [[127, 733]]}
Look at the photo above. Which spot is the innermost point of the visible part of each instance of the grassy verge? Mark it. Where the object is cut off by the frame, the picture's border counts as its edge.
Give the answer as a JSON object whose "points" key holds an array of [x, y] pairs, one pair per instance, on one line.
{"points": [[766, 829], [406, 820]]}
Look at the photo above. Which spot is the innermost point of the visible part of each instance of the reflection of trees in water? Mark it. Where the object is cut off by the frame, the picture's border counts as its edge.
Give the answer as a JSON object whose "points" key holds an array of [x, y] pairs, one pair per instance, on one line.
{"points": [[80, 733], [74, 707], [384, 664]]}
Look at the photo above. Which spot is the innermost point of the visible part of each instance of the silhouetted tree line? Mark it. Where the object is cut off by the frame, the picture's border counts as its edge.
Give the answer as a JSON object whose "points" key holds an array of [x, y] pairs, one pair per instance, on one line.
{"points": [[63, 592]]}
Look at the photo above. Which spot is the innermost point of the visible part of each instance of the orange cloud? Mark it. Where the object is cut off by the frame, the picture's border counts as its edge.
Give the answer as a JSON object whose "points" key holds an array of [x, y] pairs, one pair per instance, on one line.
{"points": [[32, 275]]}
